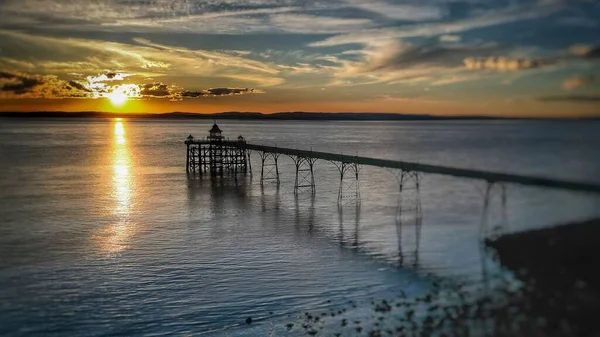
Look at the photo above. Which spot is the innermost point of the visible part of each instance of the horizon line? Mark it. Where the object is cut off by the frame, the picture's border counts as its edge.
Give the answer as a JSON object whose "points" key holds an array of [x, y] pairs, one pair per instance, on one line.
{"points": [[280, 115]]}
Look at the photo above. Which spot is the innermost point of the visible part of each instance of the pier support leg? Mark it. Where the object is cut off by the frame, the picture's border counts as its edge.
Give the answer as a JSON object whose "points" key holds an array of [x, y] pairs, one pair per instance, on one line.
{"points": [[269, 170], [349, 190], [305, 178], [201, 160], [218, 158], [192, 158], [408, 211], [187, 159], [237, 161]]}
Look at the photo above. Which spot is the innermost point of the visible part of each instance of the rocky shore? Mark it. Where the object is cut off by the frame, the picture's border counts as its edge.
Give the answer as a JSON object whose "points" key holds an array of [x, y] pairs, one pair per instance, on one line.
{"points": [[547, 286]]}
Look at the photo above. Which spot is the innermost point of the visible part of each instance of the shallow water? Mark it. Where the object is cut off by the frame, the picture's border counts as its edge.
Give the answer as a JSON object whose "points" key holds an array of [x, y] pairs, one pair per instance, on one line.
{"points": [[102, 232]]}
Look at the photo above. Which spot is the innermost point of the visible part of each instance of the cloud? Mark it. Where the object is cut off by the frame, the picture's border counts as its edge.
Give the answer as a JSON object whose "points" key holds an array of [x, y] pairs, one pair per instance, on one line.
{"points": [[108, 77], [79, 86], [212, 16], [20, 85], [311, 24], [248, 16], [571, 98], [202, 57], [503, 63], [404, 12], [154, 64], [402, 55], [398, 61], [155, 90], [585, 50], [235, 23], [386, 57], [208, 17], [139, 16], [88, 56], [449, 38], [485, 19], [577, 82], [578, 22], [206, 20], [215, 92], [7, 75]]}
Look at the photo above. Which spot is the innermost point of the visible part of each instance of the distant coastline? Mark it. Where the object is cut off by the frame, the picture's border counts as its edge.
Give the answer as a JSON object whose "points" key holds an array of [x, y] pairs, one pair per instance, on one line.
{"points": [[295, 115]]}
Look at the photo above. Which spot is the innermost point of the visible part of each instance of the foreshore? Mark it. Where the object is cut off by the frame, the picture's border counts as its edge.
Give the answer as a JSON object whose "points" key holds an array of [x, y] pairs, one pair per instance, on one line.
{"points": [[547, 287]]}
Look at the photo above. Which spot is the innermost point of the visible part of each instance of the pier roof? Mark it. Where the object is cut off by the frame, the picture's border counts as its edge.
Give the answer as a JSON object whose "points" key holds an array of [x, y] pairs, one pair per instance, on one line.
{"points": [[215, 129]]}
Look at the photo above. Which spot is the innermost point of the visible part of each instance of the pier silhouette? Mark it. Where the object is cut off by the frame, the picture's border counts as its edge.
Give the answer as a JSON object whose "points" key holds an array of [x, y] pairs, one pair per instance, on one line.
{"points": [[216, 154]]}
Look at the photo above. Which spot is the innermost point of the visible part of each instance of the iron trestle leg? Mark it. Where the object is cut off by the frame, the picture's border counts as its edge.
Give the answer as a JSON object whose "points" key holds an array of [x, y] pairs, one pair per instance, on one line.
{"points": [[305, 178]]}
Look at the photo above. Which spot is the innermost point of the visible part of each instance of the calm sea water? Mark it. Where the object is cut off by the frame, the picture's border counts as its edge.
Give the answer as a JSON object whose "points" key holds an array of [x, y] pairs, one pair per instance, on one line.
{"points": [[102, 233]]}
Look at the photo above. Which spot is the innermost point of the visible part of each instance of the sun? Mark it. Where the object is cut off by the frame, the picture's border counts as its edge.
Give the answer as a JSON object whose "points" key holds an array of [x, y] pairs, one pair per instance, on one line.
{"points": [[117, 97]]}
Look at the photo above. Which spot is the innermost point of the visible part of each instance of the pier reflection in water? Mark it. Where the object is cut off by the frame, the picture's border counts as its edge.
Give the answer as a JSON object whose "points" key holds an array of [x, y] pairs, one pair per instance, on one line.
{"points": [[496, 305], [308, 213], [349, 218], [304, 210]]}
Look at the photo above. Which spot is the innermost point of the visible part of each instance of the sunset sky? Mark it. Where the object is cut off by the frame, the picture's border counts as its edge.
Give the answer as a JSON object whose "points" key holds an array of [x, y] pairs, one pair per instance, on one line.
{"points": [[449, 57]]}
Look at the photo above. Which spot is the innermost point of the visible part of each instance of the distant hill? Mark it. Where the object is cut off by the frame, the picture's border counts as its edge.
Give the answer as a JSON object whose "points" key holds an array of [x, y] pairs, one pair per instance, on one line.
{"points": [[249, 115], [293, 115]]}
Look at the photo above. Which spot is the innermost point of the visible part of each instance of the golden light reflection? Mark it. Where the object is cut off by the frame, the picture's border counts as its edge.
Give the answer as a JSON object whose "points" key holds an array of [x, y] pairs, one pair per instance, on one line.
{"points": [[117, 236], [119, 132]]}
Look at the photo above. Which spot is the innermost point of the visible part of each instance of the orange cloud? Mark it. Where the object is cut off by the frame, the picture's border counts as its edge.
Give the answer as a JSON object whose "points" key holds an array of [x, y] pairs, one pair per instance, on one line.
{"points": [[20, 85], [576, 82], [503, 63]]}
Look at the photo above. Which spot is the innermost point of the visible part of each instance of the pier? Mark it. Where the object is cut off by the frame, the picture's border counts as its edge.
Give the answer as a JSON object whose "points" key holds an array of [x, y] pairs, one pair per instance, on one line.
{"points": [[215, 155]]}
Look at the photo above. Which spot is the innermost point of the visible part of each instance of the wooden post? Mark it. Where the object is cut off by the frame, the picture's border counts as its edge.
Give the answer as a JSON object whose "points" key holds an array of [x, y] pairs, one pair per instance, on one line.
{"points": [[187, 159], [200, 160]]}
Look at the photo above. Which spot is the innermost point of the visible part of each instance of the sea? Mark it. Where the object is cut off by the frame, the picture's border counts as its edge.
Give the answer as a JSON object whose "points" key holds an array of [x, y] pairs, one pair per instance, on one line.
{"points": [[103, 233]]}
